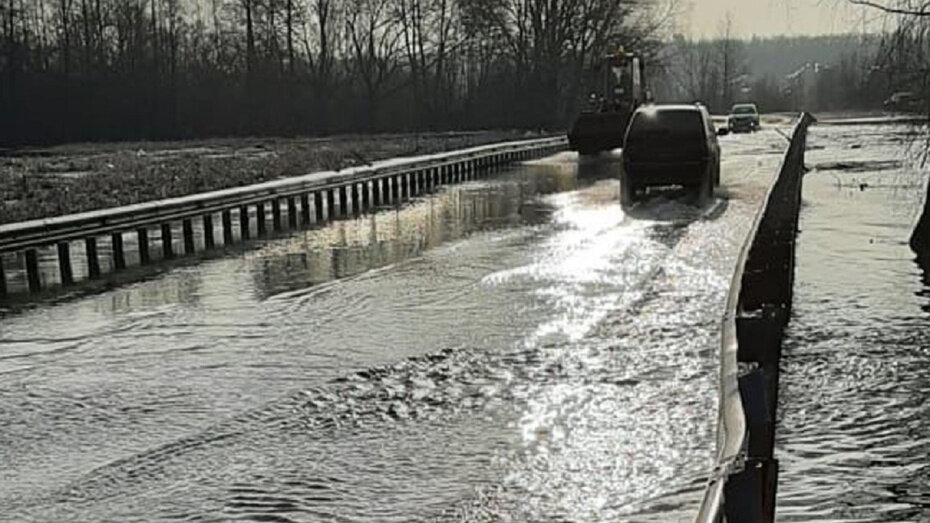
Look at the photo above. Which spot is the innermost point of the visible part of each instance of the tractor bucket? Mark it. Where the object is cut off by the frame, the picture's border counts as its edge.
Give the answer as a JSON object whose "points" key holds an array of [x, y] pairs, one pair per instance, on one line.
{"points": [[595, 132]]}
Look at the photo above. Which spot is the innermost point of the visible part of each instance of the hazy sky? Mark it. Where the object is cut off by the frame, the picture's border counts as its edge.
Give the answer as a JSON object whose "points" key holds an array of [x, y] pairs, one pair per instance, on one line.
{"points": [[774, 17]]}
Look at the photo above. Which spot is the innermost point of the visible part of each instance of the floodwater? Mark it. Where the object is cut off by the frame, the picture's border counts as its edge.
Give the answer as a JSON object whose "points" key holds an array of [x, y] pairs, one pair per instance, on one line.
{"points": [[854, 430], [516, 348]]}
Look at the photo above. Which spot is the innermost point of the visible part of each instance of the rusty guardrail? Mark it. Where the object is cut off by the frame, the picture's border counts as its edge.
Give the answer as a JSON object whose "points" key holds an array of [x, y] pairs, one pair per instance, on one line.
{"points": [[743, 482], [385, 182]]}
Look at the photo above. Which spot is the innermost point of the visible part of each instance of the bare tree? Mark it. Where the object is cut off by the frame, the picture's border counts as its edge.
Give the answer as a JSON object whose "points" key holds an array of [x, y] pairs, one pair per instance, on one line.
{"points": [[907, 56], [375, 45]]}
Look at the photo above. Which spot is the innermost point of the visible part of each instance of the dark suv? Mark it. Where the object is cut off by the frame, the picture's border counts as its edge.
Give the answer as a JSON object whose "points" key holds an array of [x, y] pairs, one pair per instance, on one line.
{"points": [[670, 145]]}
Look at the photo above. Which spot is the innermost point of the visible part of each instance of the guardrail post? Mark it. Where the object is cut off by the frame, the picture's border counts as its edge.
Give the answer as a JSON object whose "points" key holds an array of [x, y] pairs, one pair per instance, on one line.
{"points": [[395, 189], [749, 494], [260, 218], [187, 229], [226, 219], [119, 253], [64, 263], [366, 195], [276, 214], [318, 206], [331, 203], [244, 231], [32, 271], [343, 201], [167, 248], [376, 192], [143, 235], [292, 212], [208, 241], [93, 261], [305, 209], [356, 199], [386, 190]]}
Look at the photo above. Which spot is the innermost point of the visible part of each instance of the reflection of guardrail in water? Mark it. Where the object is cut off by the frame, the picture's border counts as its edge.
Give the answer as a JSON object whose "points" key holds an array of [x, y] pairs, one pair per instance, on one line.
{"points": [[743, 483], [305, 199]]}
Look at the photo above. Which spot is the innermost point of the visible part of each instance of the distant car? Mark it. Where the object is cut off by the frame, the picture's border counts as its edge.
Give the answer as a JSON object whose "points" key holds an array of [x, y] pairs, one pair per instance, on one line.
{"points": [[670, 145], [743, 118], [903, 101]]}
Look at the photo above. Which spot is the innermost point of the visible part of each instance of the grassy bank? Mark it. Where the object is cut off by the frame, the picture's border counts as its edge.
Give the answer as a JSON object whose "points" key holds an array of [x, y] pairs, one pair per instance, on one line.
{"points": [[40, 183]]}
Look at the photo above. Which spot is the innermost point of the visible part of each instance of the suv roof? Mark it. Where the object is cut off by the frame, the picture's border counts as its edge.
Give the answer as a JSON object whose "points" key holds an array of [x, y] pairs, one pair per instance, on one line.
{"points": [[670, 107], [744, 106], [674, 120]]}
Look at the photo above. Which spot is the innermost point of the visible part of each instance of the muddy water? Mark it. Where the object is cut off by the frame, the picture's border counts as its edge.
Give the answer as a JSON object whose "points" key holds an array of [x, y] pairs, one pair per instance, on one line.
{"points": [[516, 348], [854, 433]]}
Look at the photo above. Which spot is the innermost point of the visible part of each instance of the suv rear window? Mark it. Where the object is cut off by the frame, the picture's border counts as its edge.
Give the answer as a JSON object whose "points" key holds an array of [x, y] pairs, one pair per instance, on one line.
{"points": [[667, 124], [743, 109]]}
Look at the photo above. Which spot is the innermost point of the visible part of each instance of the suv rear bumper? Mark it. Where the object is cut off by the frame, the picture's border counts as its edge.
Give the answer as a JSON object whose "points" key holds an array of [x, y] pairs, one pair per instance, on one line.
{"points": [[643, 174], [742, 124]]}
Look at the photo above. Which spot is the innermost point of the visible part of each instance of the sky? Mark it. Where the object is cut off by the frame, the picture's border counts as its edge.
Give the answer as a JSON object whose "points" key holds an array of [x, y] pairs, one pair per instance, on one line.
{"points": [[703, 18]]}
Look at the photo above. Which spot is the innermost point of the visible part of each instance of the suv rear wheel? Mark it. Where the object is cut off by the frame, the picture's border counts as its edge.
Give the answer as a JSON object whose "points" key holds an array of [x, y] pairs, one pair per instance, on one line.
{"points": [[705, 191]]}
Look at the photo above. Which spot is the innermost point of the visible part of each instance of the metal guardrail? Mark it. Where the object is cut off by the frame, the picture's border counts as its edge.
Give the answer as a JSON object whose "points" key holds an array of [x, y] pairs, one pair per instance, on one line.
{"points": [[387, 181], [743, 482]]}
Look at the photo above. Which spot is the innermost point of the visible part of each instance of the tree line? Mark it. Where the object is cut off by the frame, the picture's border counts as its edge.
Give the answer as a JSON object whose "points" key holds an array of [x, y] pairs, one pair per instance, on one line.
{"points": [[158, 69]]}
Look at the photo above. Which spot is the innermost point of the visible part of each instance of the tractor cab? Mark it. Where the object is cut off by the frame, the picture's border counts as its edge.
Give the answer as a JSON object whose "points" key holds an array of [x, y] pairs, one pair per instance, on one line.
{"points": [[607, 110]]}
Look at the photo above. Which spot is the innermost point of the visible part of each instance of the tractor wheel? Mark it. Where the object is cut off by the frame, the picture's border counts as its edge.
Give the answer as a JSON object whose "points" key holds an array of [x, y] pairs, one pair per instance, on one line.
{"points": [[627, 194]]}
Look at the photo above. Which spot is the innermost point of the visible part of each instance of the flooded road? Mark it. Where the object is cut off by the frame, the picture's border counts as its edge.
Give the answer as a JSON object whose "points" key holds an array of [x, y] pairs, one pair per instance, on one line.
{"points": [[854, 433], [515, 348]]}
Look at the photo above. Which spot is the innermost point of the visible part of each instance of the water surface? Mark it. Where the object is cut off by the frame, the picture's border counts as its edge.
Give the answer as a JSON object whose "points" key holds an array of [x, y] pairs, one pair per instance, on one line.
{"points": [[854, 433], [515, 348]]}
